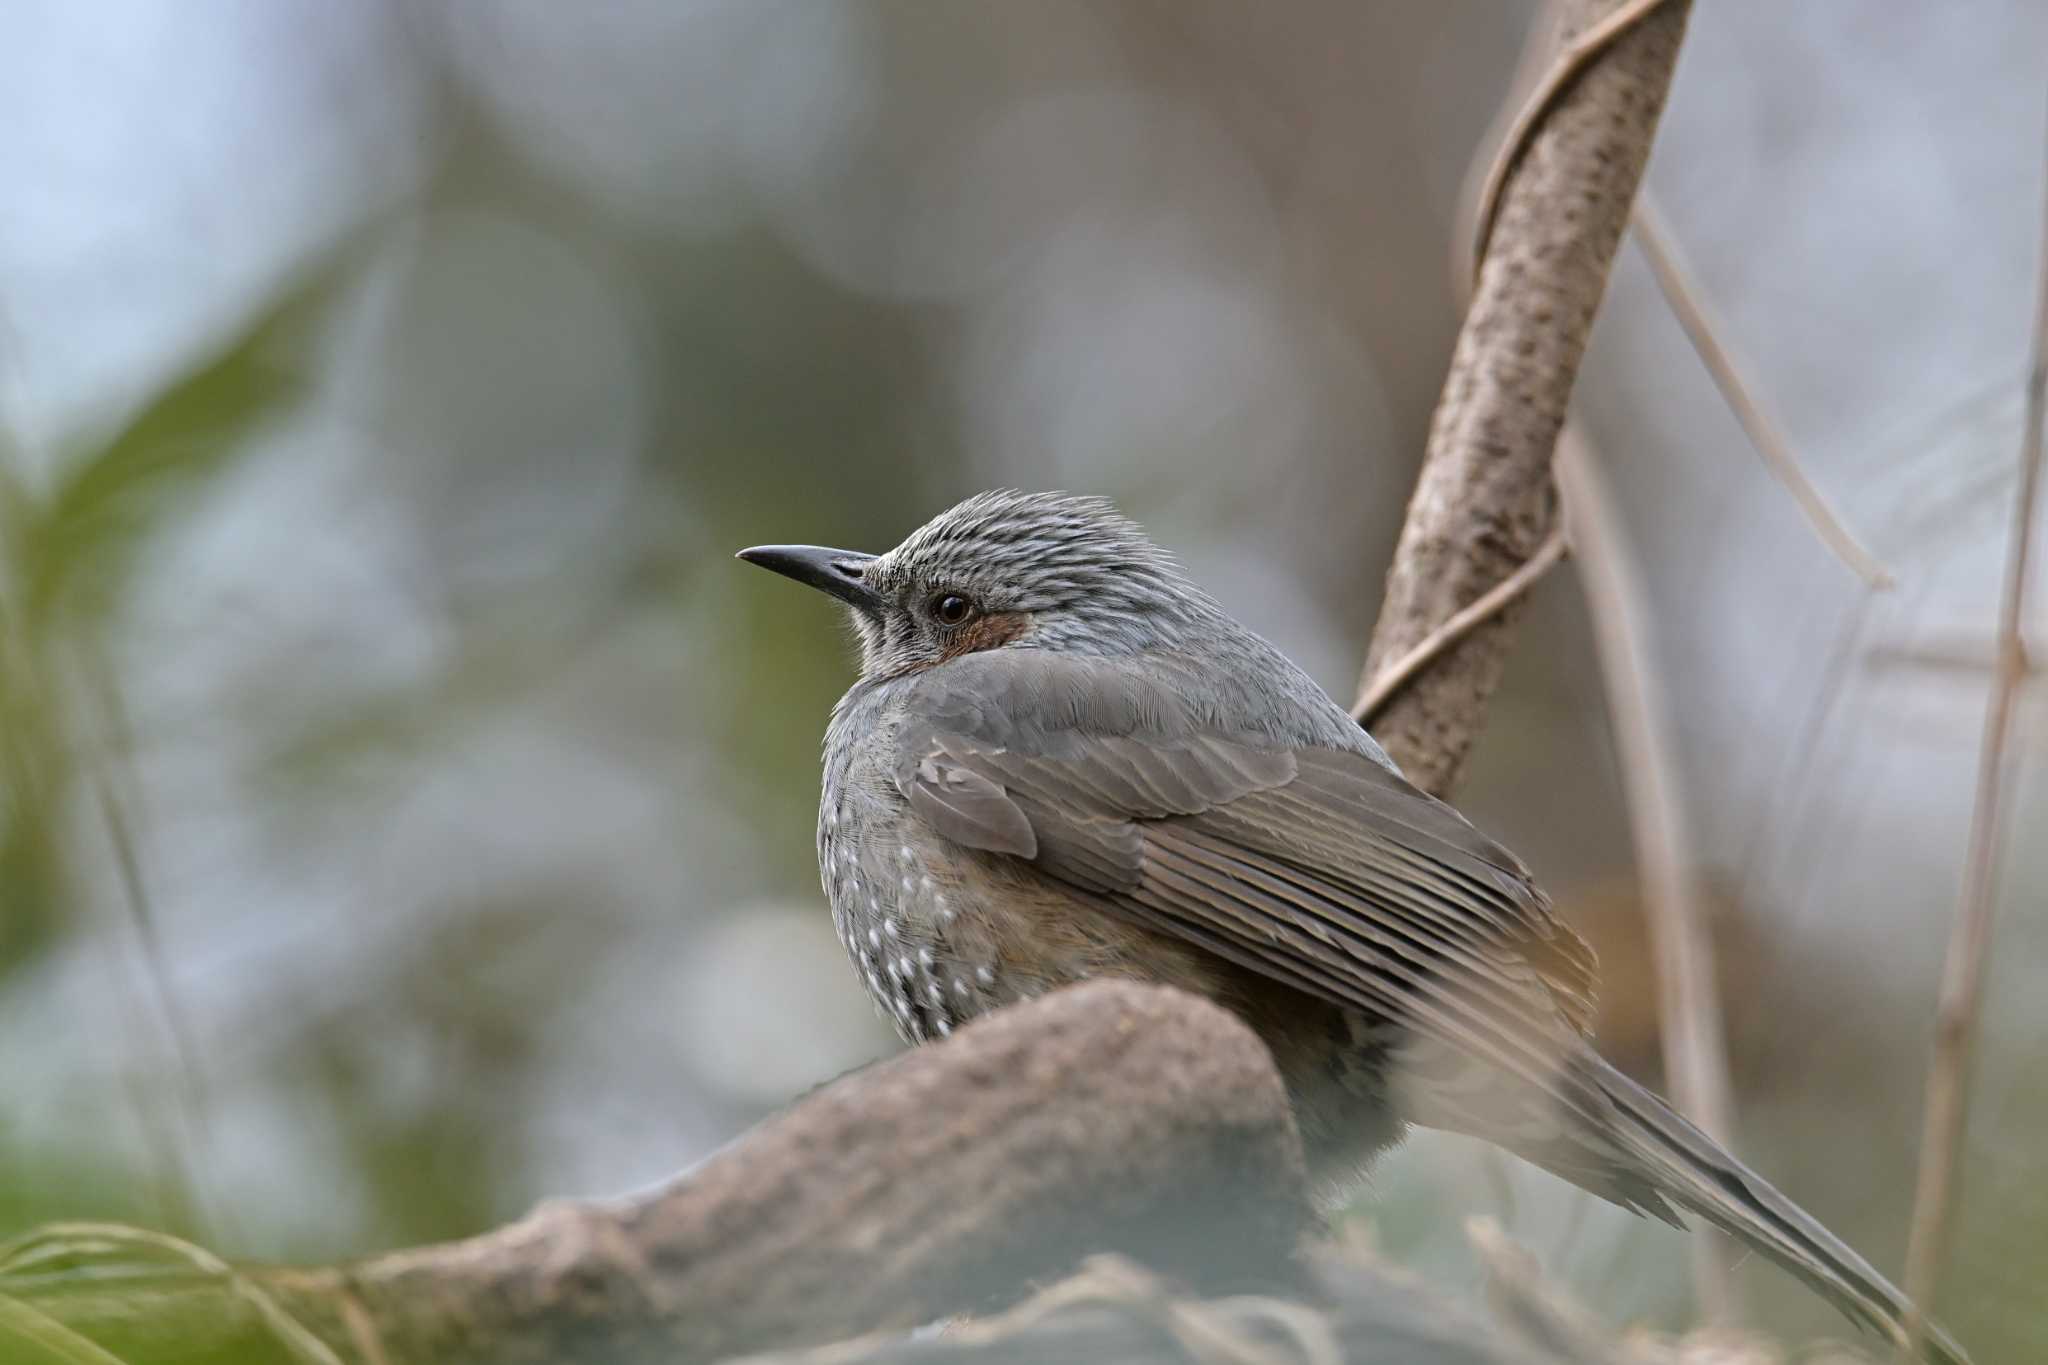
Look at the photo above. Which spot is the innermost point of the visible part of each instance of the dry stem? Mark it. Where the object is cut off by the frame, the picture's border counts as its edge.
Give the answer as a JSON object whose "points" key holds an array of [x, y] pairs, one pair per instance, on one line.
{"points": [[1705, 332], [1962, 984], [1689, 1004], [1496, 600]]}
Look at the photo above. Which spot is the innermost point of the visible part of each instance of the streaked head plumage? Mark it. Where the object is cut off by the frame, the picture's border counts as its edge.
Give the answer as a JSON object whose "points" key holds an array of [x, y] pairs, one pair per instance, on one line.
{"points": [[1007, 569]]}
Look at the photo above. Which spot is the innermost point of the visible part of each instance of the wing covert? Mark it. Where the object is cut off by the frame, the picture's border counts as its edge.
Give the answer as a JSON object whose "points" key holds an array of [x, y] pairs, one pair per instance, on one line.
{"points": [[1317, 867]]}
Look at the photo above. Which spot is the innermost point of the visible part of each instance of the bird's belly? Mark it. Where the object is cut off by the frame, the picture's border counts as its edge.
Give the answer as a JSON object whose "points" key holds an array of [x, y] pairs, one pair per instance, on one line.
{"points": [[914, 928], [941, 935]]}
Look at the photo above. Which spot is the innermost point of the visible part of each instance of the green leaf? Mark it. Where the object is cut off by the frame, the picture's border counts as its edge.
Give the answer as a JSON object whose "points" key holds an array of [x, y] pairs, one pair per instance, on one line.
{"points": [[30, 1337], [113, 1255], [77, 543]]}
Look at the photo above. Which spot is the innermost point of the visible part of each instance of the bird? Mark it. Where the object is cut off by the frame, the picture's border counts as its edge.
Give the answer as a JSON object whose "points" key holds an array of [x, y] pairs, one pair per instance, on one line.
{"points": [[1062, 760]]}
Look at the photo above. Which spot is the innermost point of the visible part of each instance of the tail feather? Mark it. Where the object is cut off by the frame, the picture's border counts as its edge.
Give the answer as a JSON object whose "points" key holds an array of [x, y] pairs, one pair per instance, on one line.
{"points": [[1595, 1127], [1691, 1169]]}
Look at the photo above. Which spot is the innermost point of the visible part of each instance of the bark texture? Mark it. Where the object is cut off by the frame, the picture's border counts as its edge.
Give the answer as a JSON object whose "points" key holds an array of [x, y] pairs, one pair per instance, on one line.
{"points": [[1483, 502]]}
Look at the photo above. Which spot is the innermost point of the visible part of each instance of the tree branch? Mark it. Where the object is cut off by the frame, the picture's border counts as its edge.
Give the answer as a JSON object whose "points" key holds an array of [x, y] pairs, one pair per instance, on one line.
{"points": [[1106, 1117], [1483, 503]]}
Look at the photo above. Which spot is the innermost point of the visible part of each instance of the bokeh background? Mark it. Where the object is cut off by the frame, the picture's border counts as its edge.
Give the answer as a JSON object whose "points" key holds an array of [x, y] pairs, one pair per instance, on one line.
{"points": [[406, 803]]}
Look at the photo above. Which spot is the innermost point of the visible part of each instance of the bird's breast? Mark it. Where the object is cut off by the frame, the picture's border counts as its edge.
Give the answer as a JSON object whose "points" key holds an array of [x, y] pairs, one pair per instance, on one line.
{"points": [[907, 909]]}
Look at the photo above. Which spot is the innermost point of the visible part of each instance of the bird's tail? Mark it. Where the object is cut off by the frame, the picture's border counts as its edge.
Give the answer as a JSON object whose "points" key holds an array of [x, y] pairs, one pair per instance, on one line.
{"points": [[1600, 1130], [1690, 1169]]}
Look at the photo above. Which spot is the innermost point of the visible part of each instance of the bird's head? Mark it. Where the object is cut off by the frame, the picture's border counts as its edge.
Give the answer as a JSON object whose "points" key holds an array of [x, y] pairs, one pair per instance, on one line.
{"points": [[1005, 570]]}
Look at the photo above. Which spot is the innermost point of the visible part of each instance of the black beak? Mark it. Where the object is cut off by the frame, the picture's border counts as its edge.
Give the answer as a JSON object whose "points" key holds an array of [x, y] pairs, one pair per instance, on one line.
{"points": [[839, 572]]}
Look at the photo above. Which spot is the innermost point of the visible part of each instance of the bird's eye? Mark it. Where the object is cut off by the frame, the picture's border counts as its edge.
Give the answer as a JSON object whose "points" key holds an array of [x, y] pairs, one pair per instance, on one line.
{"points": [[950, 609]]}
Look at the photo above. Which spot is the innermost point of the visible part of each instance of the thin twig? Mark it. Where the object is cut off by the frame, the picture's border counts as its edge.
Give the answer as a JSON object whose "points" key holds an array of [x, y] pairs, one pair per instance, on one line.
{"points": [[1396, 675], [1532, 74], [1962, 983], [1705, 331], [1688, 1001], [362, 1330], [174, 1184], [187, 1080], [1777, 818], [1199, 1328], [1951, 650]]}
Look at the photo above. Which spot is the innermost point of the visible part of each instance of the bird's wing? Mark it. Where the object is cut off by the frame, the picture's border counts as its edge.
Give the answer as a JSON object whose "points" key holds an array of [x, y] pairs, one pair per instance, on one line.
{"points": [[1316, 867], [1323, 870]]}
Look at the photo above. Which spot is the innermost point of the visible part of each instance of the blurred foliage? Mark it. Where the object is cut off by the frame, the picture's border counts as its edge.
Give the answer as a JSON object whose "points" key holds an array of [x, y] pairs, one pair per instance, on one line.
{"points": [[74, 548], [71, 550], [192, 1307], [473, 1001]]}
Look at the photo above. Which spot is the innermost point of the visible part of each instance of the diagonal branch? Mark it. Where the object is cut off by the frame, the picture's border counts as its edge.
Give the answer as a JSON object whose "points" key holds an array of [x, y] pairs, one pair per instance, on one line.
{"points": [[1704, 331], [1552, 221]]}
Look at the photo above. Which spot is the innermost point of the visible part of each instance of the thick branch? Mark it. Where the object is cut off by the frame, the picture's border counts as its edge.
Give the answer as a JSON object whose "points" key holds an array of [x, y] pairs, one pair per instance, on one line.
{"points": [[1107, 1117], [1482, 505]]}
